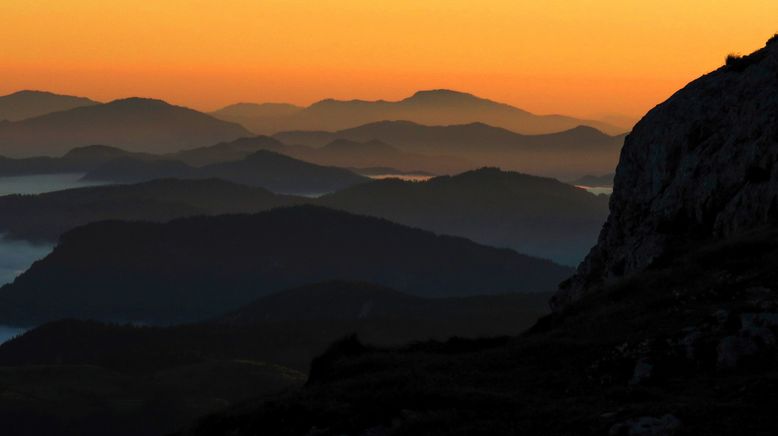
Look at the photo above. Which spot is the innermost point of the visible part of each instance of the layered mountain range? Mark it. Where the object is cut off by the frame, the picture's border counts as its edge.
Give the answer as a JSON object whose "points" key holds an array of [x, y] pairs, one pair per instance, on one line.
{"points": [[196, 268], [565, 154], [433, 107], [532, 215]]}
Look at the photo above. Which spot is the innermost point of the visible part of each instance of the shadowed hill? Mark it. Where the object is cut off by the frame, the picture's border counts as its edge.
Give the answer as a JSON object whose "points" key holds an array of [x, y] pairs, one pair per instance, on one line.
{"points": [[195, 268], [266, 169], [45, 217], [371, 154], [313, 316], [339, 153], [568, 153], [134, 124], [28, 104], [363, 302], [281, 173], [262, 118], [434, 107], [685, 348], [228, 151], [605, 180], [77, 160], [532, 215], [57, 370]]}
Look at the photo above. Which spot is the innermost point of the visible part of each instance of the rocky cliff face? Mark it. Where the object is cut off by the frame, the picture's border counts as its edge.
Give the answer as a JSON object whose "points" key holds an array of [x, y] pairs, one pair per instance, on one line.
{"points": [[700, 165]]}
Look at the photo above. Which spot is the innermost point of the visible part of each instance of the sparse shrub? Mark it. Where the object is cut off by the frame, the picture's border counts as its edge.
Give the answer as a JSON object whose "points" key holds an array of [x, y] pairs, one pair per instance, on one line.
{"points": [[738, 63]]}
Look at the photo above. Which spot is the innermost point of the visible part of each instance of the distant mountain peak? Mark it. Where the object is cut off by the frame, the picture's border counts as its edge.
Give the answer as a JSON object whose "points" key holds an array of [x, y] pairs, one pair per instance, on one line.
{"points": [[30, 92], [140, 102], [94, 149], [442, 92], [447, 96]]}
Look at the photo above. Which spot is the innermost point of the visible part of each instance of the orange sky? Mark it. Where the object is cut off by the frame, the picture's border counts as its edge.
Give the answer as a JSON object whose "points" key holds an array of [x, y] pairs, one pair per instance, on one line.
{"points": [[585, 58]]}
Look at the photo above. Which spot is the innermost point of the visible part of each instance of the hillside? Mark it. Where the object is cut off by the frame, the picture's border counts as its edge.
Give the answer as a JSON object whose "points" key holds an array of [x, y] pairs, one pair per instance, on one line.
{"points": [[432, 107], [363, 303], [196, 268], [227, 151], [77, 160], [45, 217], [29, 104], [260, 118], [372, 154], [265, 169], [203, 368], [686, 348], [603, 181], [532, 215], [289, 327], [338, 153], [134, 124], [565, 154], [284, 174]]}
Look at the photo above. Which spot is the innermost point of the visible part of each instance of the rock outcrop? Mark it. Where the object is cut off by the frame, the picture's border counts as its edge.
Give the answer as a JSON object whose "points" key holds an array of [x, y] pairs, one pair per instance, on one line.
{"points": [[701, 165]]}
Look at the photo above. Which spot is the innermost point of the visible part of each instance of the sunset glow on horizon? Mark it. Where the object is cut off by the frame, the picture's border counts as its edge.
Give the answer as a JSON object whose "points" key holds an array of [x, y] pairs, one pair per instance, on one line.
{"points": [[583, 58]]}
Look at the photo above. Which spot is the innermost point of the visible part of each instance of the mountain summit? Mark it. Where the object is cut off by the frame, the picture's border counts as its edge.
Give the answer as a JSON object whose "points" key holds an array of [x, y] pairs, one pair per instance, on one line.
{"points": [[700, 165], [450, 97]]}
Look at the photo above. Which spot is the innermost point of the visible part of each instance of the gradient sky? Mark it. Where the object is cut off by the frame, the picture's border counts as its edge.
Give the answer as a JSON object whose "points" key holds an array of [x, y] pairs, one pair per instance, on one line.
{"points": [[585, 58]]}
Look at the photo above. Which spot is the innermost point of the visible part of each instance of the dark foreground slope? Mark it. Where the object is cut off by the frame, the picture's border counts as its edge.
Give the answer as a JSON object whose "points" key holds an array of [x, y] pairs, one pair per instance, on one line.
{"points": [[532, 215], [81, 377], [195, 268], [289, 327], [687, 348], [45, 217]]}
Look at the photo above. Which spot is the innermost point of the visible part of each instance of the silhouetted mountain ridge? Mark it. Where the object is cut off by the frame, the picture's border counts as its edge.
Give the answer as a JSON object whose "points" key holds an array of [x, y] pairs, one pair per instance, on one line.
{"points": [[532, 215], [431, 107], [198, 267], [134, 124], [263, 168], [568, 153], [46, 216], [28, 104]]}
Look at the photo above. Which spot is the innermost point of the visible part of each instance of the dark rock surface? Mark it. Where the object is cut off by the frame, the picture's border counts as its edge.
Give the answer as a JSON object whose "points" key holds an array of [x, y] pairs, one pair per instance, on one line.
{"points": [[698, 166]]}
